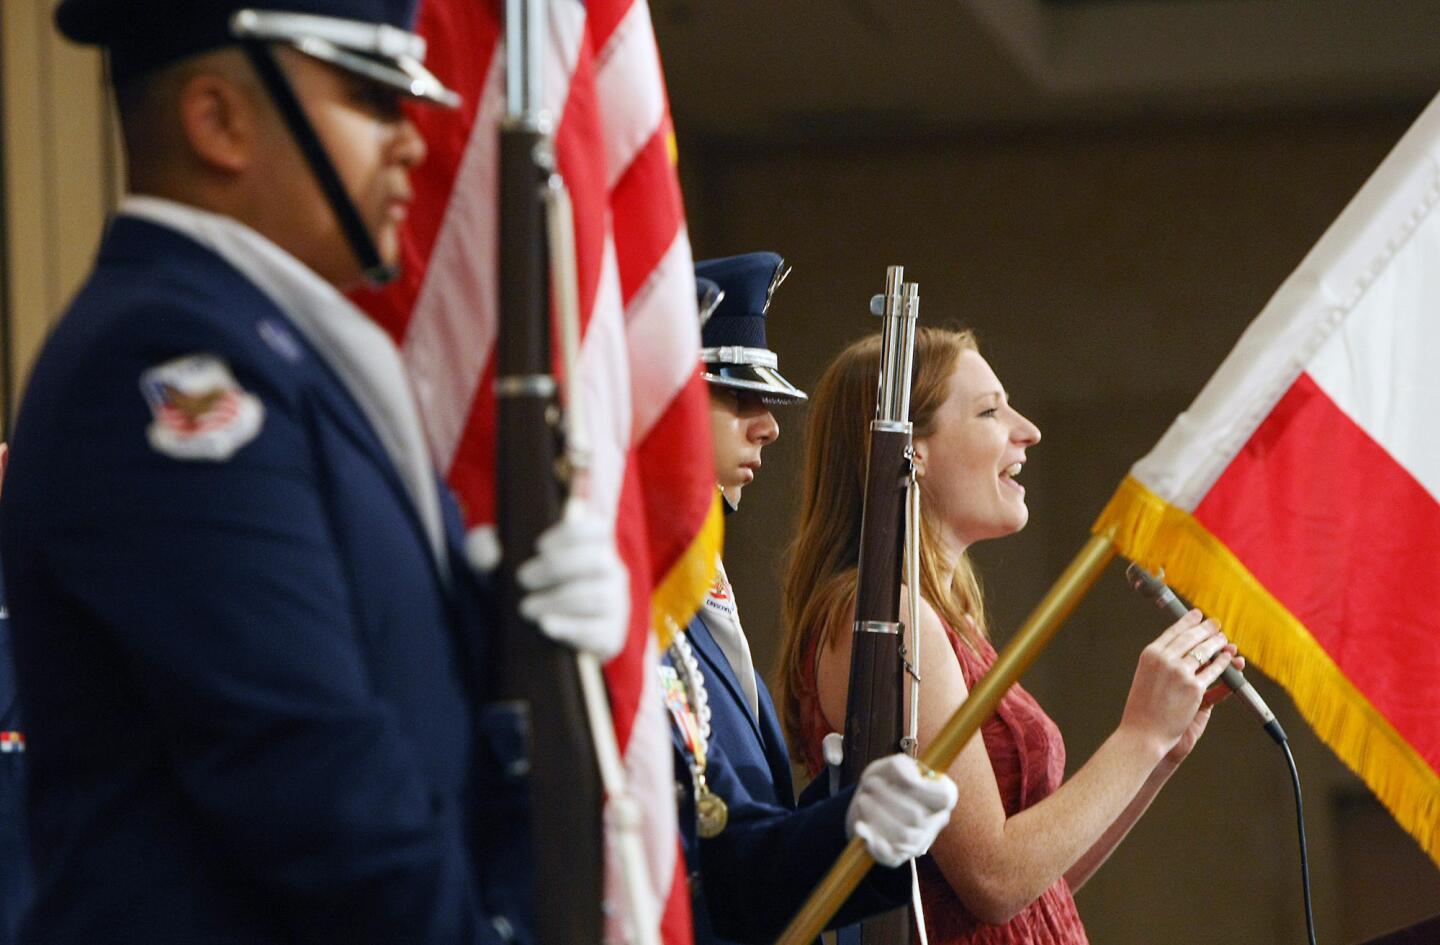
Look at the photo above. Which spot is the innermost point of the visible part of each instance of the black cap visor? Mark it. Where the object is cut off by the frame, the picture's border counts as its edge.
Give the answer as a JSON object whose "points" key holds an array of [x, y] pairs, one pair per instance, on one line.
{"points": [[766, 382]]}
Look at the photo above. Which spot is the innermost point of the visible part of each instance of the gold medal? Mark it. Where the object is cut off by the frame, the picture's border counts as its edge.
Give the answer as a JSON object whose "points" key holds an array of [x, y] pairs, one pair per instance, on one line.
{"points": [[684, 691], [711, 814]]}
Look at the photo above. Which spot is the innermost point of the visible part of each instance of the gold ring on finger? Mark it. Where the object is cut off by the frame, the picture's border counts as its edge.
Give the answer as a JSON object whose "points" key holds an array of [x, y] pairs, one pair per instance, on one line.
{"points": [[1200, 658]]}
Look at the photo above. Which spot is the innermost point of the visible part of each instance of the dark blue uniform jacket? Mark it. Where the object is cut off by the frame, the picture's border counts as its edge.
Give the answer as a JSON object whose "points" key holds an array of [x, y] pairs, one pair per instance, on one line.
{"points": [[14, 861], [748, 882], [253, 706]]}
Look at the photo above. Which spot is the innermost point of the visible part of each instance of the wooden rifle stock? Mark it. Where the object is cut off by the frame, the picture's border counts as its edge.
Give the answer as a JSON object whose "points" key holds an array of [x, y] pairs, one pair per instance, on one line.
{"points": [[875, 708], [527, 668]]}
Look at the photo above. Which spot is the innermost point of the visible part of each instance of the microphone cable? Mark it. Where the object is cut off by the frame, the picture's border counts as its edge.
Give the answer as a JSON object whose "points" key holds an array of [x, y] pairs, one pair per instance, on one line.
{"points": [[1304, 857], [1154, 587]]}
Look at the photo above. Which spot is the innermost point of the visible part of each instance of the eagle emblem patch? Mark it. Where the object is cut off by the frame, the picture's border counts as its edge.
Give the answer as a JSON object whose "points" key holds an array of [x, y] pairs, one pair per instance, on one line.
{"points": [[200, 411]]}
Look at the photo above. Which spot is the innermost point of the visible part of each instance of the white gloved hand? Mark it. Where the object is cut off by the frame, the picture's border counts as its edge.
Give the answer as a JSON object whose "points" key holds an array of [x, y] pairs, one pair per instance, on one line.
{"points": [[578, 588], [897, 810]]}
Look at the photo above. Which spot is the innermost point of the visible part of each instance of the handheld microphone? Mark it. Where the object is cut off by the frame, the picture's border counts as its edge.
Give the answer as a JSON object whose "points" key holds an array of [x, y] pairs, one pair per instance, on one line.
{"points": [[1155, 588]]}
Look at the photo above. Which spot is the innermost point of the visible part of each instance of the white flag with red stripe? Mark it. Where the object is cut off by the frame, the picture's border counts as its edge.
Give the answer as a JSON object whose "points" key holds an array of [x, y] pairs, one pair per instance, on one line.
{"points": [[645, 404], [1298, 499]]}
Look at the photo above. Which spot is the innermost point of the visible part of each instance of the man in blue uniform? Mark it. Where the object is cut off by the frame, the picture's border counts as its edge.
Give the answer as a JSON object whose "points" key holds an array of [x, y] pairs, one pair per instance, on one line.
{"points": [[14, 862], [753, 855], [249, 648]]}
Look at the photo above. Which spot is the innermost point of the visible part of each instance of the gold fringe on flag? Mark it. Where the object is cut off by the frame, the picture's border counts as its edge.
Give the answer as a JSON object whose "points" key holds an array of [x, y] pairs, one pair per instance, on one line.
{"points": [[680, 594], [1155, 534]]}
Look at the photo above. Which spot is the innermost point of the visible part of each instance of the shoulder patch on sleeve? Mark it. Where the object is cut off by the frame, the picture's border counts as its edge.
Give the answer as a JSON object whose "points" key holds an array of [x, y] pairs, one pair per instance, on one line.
{"points": [[200, 411]]}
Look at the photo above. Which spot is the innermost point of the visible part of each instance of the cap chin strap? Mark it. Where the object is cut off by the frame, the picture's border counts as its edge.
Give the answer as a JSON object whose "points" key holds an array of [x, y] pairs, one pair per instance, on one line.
{"points": [[375, 271]]}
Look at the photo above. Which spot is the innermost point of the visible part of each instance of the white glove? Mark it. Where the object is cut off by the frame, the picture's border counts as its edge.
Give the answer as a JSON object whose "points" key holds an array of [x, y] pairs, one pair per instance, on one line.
{"points": [[897, 810], [579, 589], [832, 746]]}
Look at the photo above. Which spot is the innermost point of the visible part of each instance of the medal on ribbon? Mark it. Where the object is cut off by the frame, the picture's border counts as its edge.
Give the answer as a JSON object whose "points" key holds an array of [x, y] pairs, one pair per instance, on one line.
{"points": [[685, 698]]}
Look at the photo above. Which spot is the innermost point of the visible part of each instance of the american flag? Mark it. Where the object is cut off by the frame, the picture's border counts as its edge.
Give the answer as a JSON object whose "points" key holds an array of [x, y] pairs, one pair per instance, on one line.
{"points": [[645, 403]]}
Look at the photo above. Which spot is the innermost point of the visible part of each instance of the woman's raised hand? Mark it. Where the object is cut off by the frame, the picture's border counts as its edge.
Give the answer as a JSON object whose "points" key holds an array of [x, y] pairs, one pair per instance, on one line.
{"points": [[1213, 696], [1171, 681]]}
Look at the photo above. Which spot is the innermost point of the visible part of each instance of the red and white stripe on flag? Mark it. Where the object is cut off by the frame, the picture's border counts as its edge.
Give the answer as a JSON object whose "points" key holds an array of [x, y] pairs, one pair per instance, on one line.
{"points": [[1298, 499], [645, 403]]}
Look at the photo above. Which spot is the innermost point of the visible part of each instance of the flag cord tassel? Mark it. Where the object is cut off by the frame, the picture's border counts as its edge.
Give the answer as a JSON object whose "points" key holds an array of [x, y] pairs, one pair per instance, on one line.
{"points": [[854, 862], [624, 814]]}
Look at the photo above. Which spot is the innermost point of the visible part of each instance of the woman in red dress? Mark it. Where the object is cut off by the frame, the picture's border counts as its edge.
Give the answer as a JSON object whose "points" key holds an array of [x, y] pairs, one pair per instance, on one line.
{"points": [[1020, 841]]}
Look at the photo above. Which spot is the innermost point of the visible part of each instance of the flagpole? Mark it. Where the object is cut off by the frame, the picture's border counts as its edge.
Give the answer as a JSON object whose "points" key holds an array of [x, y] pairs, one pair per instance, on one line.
{"points": [[624, 816], [854, 862]]}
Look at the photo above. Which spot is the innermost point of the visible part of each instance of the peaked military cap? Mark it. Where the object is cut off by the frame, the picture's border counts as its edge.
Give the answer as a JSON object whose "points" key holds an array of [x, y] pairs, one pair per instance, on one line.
{"points": [[371, 38], [733, 337]]}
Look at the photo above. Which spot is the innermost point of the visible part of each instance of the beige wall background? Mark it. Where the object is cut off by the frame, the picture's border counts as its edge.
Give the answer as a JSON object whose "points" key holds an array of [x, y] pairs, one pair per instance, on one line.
{"points": [[1108, 268], [1108, 271], [61, 177]]}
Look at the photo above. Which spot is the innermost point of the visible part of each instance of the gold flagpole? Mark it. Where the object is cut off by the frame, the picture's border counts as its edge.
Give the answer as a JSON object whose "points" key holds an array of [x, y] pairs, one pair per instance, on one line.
{"points": [[1034, 636]]}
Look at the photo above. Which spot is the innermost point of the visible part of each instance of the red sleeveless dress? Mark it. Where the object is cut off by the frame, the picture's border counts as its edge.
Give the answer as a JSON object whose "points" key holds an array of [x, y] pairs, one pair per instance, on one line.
{"points": [[1028, 756]]}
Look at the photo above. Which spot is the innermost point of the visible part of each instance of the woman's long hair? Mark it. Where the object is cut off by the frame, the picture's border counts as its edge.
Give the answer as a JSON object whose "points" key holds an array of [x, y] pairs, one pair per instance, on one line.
{"points": [[820, 577]]}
